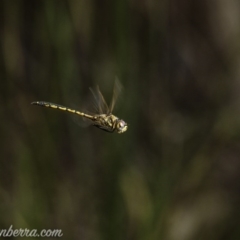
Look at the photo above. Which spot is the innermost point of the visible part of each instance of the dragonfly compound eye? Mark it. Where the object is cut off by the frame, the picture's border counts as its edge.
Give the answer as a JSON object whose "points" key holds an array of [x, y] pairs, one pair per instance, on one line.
{"points": [[121, 126]]}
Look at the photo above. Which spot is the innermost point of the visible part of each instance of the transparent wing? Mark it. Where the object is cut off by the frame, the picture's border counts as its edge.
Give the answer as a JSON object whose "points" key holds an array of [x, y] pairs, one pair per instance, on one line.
{"points": [[81, 121], [99, 102], [116, 92]]}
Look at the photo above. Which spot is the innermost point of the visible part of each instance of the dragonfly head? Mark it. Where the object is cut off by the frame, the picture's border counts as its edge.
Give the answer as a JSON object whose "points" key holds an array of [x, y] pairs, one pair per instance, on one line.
{"points": [[121, 126]]}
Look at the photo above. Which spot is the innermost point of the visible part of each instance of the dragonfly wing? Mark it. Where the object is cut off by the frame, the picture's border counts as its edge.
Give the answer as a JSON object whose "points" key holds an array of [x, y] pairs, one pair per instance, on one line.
{"points": [[82, 121], [116, 92], [99, 101]]}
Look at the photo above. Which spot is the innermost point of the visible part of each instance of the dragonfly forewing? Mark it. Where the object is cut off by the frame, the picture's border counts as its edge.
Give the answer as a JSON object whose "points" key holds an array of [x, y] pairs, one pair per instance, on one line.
{"points": [[116, 92]]}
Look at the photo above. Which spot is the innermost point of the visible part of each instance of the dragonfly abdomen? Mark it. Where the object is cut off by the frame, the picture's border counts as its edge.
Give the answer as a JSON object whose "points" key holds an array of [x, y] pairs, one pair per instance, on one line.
{"points": [[60, 107]]}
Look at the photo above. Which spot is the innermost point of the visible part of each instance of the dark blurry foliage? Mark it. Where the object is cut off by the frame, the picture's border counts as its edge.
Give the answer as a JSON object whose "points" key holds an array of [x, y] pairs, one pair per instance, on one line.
{"points": [[175, 174]]}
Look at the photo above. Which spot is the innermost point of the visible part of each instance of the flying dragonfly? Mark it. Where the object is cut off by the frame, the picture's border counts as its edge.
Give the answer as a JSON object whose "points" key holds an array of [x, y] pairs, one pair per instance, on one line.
{"points": [[103, 119]]}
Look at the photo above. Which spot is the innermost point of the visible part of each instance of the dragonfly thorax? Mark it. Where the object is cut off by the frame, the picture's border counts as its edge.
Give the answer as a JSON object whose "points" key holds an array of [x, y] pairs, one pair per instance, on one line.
{"points": [[110, 123]]}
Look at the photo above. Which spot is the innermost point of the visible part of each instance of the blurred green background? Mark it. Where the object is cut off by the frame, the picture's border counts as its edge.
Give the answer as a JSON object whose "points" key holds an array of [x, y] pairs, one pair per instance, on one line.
{"points": [[175, 174]]}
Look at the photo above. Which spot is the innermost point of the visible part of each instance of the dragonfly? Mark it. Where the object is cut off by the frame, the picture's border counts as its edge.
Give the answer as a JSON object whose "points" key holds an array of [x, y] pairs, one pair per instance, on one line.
{"points": [[103, 119]]}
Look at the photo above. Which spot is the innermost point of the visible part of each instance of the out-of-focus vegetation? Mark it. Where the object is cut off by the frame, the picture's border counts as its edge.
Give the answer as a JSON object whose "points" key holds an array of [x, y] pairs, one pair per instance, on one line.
{"points": [[175, 174]]}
